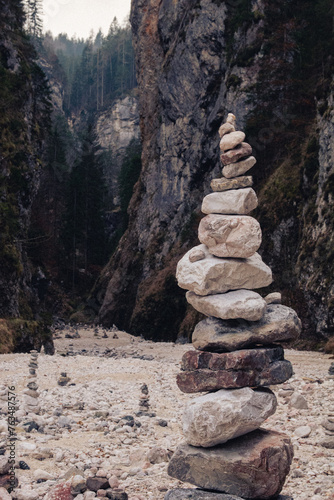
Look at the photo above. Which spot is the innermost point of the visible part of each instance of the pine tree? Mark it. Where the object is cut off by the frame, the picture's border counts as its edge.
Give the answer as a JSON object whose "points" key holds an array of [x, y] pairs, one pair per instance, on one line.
{"points": [[34, 18]]}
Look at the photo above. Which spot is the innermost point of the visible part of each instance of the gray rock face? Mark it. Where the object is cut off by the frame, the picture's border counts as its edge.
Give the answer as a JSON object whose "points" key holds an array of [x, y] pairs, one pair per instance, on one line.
{"points": [[233, 202], [230, 235], [279, 323], [223, 415], [215, 275], [115, 128], [231, 305], [184, 96], [253, 466]]}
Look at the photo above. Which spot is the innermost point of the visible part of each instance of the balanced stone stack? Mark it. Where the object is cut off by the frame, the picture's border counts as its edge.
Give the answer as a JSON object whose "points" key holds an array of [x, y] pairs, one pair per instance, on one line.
{"points": [[30, 394], [237, 353]]}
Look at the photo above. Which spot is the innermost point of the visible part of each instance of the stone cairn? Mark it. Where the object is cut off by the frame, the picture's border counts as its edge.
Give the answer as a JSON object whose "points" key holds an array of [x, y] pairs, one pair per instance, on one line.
{"points": [[30, 394], [237, 352]]}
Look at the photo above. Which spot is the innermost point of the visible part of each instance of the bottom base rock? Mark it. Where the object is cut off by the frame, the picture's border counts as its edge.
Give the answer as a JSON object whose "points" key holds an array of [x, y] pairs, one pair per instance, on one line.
{"points": [[253, 466], [194, 494]]}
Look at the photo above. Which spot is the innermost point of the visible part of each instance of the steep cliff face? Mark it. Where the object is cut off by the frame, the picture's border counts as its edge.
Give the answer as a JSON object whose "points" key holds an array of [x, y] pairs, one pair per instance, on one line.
{"points": [[196, 61], [115, 129], [23, 119]]}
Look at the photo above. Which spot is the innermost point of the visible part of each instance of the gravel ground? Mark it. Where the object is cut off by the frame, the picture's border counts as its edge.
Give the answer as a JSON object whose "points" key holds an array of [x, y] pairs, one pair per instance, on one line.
{"points": [[83, 427]]}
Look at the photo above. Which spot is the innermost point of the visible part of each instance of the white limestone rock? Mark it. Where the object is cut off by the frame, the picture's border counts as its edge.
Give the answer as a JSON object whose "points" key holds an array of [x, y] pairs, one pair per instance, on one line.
{"points": [[231, 140], [233, 202], [243, 304], [238, 168], [230, 235], [213, 275], [226, 414]]}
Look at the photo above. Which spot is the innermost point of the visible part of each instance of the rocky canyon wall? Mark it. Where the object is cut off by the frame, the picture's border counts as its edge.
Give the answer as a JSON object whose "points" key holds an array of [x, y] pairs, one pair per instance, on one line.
{"points": [[197, 61]]}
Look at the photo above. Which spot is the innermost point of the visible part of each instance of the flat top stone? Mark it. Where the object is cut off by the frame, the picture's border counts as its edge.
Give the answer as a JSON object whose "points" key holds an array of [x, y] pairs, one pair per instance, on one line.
{"points": [[244, 304]]}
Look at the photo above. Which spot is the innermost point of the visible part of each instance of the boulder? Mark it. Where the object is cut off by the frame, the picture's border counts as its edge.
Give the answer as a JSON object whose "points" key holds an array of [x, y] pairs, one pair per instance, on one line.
{"points": [[232, 202], [226, 414], [232, 156], [243, 304], [195, 494], [239, 168], [279, 323], [253, 466], [227, 184], [230, 235], [231, 140], [213, 275]]}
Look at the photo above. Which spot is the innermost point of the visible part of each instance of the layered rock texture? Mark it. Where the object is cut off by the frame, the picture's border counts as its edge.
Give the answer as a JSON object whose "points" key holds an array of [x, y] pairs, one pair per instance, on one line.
{"points": [[195, 62], [225, 450], [24, 118]]}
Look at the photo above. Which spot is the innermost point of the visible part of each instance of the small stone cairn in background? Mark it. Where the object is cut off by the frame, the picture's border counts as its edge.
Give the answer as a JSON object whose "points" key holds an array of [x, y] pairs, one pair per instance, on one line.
{"points": [[237, 352], [30, 394]]}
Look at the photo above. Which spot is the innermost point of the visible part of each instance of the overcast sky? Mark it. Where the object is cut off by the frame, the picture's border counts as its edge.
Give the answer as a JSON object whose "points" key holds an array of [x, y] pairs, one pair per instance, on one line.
{"points": [[81, 16]]}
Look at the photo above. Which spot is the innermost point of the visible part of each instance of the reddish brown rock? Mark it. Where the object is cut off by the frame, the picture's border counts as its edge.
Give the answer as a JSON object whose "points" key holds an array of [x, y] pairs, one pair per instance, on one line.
{"points": [[206, 371], [253, 466], [61, 491], [7, 481], [236, 154], [247, 359]]}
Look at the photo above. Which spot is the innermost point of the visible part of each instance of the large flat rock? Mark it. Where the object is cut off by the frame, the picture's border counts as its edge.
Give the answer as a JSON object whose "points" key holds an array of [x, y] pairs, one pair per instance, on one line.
{"points": [[253, 466], [244, 304], [195, 494], [279, 323], [212, 275], [230, 235], [226, 414], [233, 202]]}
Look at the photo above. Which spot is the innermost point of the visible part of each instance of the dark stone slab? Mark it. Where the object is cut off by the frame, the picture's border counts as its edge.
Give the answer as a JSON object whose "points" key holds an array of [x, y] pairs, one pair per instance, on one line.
{"points": [[207, 371], [195, 494], [253, 466], [279, 323], [246, 359], [97, 483]]}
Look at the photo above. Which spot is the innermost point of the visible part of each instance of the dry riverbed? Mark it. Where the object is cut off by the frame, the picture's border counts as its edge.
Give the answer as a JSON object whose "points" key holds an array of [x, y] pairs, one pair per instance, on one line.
{"points": [[82, 423]]}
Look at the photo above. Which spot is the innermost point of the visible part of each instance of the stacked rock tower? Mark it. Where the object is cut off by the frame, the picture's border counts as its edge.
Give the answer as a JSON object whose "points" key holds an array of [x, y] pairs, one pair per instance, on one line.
{"points": [[237, 353]]}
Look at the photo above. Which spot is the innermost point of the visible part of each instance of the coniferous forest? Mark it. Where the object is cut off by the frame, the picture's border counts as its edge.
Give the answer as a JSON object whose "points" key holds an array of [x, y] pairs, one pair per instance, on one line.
{"points": [[55, 232]]}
